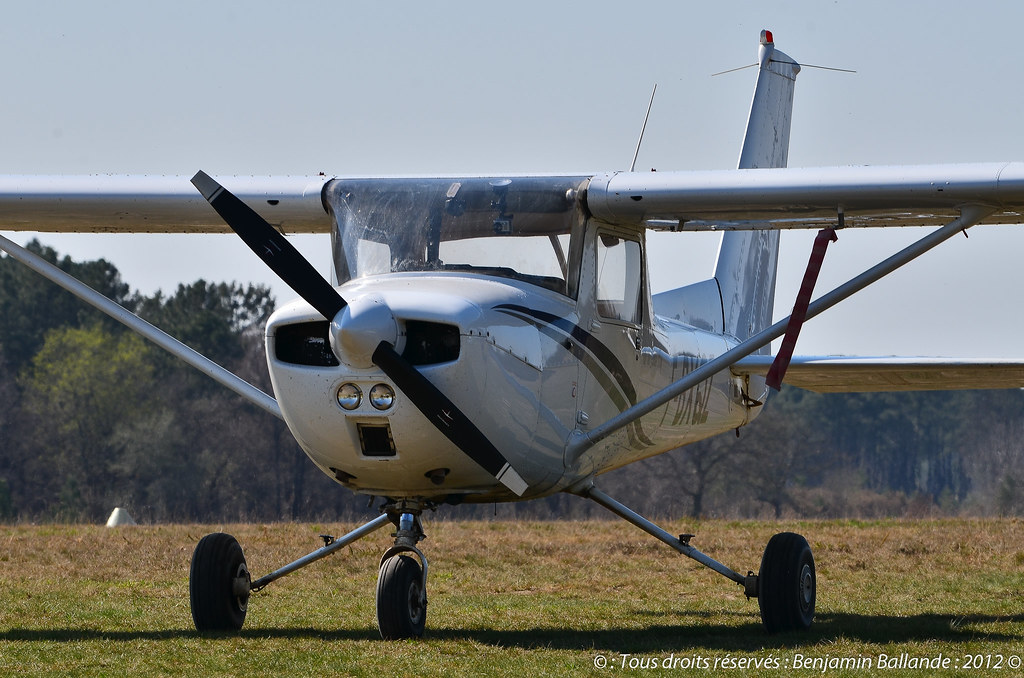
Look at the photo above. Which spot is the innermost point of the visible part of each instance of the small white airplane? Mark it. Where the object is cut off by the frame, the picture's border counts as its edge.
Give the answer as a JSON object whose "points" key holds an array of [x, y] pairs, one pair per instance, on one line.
{"points": [[493, 339]]}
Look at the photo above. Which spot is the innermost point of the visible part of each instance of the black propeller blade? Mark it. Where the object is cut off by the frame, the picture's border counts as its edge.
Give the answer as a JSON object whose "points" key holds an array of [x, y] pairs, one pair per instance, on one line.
{"points": [[270, 246], [448, 418]]}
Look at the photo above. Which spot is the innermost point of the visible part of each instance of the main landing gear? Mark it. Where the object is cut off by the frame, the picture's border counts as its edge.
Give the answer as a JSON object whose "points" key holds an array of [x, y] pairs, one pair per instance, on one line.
{"points": [[220, 585], [785, 586]]}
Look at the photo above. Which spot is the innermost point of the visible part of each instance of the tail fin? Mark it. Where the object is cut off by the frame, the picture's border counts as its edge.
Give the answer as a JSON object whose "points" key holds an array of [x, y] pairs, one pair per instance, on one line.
{"points": [[747, 260]]}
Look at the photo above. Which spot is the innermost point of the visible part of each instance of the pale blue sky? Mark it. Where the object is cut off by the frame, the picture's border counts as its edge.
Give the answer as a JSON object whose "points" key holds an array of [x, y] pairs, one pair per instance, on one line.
{"points": [[452, 87]]}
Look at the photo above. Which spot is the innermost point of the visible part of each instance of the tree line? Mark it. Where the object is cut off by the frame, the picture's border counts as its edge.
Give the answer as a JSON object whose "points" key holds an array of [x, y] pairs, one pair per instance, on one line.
{"points": [[92, 417]]}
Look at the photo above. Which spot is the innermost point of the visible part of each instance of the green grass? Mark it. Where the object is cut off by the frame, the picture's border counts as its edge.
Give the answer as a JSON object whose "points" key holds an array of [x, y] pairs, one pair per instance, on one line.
{"points": [[507, 598]]}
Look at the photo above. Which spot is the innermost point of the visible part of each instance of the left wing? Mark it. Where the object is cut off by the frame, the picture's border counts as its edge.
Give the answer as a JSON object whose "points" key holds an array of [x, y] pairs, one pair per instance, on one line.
{"points": [[787, 198], [807, 197], [840, 374]]}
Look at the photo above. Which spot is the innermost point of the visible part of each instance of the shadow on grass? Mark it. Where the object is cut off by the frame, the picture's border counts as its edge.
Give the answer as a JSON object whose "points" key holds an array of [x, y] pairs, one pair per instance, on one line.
{"points": [[86, 635], [872, 629], [827, 628]]}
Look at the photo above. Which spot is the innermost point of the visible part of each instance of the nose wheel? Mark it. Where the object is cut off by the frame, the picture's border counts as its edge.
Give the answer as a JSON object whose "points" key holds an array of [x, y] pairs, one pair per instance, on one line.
{"points": [[787, 584], [401, 599], [402, 583]]}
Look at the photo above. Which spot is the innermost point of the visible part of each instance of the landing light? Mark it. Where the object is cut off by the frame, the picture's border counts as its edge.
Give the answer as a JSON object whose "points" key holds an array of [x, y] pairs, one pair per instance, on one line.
{"points": [[382, 396], [349, 396]]}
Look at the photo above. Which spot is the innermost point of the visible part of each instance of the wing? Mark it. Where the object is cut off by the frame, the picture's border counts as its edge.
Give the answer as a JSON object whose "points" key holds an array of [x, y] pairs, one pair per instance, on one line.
{"points": [[713, 200], [914, 195], [840, 374], [153, 204]]}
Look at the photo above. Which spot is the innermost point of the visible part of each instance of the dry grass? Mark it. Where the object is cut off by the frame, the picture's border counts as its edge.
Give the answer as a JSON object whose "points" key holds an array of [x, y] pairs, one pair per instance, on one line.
{"points": [[505, 598]]}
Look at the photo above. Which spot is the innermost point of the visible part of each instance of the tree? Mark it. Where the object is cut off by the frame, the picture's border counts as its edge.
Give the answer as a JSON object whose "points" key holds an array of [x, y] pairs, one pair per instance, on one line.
{"points": [[80, 385], [700, 468], [90, 417], [31, 305], [212, 318], [8, 419]]}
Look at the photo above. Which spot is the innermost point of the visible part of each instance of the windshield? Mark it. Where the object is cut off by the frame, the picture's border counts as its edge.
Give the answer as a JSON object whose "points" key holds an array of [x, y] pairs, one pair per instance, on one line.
{"points": [[515, 228]]}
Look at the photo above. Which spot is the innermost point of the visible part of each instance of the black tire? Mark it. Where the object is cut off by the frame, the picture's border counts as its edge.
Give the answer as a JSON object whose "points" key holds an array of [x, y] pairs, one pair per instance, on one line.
{"points": [[216, 563], [787, 585], [401, 600]]}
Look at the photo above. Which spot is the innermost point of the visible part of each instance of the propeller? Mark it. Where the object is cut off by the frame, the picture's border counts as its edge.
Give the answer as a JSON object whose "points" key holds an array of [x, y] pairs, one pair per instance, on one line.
{"points": [[282, 258]]}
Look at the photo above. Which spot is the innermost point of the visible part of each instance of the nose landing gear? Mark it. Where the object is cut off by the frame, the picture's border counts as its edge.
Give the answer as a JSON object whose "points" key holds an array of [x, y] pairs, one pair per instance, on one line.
{"points": [[402, 583]]}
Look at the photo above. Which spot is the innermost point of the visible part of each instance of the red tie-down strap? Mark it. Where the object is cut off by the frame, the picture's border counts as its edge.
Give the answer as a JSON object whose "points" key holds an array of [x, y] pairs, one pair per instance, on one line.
{"points": [[803, 299]]}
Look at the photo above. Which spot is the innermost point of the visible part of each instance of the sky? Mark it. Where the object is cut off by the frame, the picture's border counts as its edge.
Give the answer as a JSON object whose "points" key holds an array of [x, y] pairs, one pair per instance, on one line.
{"points": [[357, 89]]}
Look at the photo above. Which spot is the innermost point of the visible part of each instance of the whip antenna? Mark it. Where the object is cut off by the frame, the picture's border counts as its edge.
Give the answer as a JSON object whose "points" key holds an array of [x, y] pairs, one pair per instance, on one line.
{"points": [[639, 141]]}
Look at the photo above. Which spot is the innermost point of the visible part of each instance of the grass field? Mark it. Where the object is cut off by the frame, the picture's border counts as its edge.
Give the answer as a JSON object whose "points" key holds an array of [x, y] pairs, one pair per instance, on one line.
{"points": [[519, 599]]}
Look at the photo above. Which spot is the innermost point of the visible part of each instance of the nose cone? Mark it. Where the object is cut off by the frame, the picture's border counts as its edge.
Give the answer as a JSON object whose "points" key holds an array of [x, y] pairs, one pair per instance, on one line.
{"points": [[360, 327]]}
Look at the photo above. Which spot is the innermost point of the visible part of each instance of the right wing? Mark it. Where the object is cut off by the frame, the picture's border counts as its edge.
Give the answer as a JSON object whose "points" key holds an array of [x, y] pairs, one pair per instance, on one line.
{"points": [[153, 204]]}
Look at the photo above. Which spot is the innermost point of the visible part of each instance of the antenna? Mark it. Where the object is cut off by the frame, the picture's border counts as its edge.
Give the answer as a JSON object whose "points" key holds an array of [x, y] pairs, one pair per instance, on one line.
{"points": [[768, 39], [639, 141], [792, 63]]}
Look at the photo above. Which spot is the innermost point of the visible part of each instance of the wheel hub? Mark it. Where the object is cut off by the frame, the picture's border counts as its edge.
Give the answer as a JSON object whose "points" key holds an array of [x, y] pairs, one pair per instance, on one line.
{"points": [[415, 602], [806, 587], [241, 587]]}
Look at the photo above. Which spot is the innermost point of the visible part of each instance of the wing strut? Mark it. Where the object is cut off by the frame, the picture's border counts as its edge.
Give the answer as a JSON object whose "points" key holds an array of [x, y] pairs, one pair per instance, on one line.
{"points": [[581, 441], [803, 299], [133, 322]]}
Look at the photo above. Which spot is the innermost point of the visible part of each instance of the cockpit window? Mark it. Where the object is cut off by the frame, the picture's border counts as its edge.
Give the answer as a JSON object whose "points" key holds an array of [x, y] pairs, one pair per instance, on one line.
{"points": [[516, 228], [619, 278]]}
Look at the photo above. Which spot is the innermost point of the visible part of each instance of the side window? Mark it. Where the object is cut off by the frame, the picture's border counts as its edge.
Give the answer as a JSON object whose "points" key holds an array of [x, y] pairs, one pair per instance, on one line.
{"points": [[619, 278]]}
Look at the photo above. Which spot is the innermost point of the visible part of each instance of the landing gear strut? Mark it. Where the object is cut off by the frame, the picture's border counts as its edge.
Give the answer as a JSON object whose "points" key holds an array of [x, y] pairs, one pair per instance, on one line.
{"points": [[220, 585], [785, 587]]}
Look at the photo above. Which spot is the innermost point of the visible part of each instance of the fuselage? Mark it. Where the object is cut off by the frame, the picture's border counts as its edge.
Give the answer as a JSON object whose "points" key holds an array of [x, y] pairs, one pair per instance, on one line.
{"points": [[529, 358]]}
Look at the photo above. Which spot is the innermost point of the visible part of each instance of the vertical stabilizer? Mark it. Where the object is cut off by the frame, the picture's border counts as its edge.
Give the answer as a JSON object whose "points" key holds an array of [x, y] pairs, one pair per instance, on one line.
{"points": [[747, 260]]}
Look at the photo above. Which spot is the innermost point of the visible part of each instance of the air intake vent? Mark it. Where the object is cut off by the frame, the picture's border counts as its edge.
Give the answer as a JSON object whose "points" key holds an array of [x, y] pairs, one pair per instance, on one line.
{"points": [[430, 343], [305, 344], [376, 440]]}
